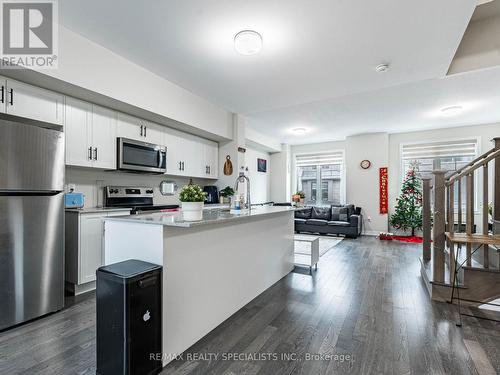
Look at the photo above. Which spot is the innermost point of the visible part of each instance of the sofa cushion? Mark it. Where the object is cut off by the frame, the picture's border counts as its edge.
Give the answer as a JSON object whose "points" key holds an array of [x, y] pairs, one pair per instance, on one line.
{"points": [[339, 213], [303, 213], [339, 223], [350, 210], [322, 213], [300, 221], [316, 222]]}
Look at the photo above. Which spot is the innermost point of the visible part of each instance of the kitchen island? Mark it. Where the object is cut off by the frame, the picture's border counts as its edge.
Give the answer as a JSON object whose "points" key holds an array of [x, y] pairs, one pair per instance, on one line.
{"points": [[211, 268]]}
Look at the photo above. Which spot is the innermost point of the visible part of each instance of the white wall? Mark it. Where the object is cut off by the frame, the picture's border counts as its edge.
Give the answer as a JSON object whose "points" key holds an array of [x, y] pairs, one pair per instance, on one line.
{"points": [[281, 176], [362, 185], [261, 140], [88, 65], [88, 180], [260, 182]]}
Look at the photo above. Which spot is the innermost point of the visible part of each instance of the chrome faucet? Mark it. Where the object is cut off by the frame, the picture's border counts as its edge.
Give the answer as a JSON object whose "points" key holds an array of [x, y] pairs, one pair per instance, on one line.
{"points": [[243, 178]]}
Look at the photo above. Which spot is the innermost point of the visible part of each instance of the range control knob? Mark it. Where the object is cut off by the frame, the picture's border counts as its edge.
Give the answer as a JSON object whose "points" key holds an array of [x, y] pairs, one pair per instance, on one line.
{"points": [[149, 191]]}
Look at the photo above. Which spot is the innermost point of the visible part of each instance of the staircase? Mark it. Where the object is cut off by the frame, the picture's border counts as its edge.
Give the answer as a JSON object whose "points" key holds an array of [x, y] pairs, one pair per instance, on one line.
{"points": [[458, 243]]}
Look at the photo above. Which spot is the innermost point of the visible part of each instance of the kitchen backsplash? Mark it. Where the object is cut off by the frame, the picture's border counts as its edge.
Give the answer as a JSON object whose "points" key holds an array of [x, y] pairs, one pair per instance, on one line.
{"points": [[89, 182]]}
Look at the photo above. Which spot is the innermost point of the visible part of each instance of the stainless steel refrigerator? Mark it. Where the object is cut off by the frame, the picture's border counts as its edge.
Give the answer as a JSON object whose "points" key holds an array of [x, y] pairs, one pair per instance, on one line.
{"points": [[31, 222]]}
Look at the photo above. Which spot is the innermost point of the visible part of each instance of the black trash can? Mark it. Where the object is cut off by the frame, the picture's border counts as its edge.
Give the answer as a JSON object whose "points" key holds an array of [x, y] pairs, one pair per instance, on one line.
{"points": [[129, 333]]}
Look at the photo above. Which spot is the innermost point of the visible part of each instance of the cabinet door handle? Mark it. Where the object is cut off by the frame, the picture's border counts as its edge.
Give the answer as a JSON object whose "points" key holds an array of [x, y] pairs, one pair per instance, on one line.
{"points": [[3, 95], [95, 153], [90, 153], [145, 130], [182, 165], [141, 130], [209, 169], [11, 96]]}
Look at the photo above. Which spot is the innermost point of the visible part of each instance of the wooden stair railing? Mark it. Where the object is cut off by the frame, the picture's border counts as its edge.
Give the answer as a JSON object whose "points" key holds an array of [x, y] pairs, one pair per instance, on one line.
{"points": [[445, 233]]}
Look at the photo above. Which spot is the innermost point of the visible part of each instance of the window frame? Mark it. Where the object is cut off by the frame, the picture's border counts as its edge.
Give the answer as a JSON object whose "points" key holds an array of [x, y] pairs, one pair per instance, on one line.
{"points": [[294, 179], [477, 181]]}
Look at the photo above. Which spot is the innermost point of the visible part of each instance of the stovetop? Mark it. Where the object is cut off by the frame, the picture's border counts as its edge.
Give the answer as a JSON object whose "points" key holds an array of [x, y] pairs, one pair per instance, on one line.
{"points": [[159, 208], [140, 199]]}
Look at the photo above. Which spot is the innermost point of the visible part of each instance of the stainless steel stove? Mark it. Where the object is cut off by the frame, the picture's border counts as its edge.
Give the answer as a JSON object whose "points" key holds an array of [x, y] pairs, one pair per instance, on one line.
{"points": [[139, 199]]}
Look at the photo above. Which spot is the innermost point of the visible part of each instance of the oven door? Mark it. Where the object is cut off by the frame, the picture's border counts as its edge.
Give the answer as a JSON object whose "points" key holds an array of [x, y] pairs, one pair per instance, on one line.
{"points": [[141, 156]]}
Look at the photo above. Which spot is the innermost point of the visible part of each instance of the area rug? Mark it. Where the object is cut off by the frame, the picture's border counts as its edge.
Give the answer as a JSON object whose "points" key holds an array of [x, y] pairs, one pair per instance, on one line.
{"points": [[412, 239], [325, 244]]}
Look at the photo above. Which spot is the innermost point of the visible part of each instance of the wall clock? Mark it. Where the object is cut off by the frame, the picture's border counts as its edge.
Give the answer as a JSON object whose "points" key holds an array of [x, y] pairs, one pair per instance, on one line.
{"points": [[365, 164]]}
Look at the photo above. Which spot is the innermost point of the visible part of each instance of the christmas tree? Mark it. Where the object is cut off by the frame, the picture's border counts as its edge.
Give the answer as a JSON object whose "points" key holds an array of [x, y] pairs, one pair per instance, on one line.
{"points": [[408, 210]]}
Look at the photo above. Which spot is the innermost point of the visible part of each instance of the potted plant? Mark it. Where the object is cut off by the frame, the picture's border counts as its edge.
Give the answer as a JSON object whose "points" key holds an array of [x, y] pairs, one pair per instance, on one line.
{"points": [[192, 199], [226, 194], [299, 197]]}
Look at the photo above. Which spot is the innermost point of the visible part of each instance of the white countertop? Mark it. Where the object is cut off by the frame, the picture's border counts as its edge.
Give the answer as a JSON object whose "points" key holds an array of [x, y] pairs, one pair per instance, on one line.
{"points": [[214, 216]]}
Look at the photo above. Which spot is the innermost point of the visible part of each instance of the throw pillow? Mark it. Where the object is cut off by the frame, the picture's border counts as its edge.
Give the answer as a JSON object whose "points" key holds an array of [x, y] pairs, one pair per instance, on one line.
{"points": [[322, 213]]}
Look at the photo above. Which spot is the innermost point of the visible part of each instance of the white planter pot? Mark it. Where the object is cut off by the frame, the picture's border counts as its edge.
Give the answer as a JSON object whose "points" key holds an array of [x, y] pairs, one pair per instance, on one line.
{"points": [[192, 211]]}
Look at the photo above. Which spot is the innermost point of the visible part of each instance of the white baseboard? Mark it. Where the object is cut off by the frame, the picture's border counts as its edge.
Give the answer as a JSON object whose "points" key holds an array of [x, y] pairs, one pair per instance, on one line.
{"points": [[370, 233]]}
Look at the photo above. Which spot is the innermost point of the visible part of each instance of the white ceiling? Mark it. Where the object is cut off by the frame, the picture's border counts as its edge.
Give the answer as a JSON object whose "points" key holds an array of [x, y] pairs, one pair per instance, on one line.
{"points": [[408, 107], [317, 66], [313, 49]]}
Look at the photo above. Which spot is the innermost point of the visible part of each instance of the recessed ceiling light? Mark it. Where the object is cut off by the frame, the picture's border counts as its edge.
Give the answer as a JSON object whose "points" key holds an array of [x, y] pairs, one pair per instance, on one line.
{"points": [[454, 110], [299, 131], [382, 68], [248, 42]]}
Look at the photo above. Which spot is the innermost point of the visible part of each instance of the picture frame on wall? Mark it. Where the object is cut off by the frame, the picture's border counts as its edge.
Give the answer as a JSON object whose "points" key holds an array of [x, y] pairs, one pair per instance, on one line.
{"points": [[261, 165]]}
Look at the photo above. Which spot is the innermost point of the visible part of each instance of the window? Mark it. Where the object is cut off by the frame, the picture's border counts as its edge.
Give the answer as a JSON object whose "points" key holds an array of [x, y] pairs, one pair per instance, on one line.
{"points": [[446, 155], [323, 171]]}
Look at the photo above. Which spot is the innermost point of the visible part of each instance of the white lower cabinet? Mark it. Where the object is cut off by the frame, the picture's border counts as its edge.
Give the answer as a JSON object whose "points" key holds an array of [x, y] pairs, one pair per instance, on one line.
{"points": [[84, 248]]}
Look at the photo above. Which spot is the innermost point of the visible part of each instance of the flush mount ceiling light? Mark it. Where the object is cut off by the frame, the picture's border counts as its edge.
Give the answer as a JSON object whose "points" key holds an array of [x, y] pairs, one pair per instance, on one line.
{"points": [[382, 68], [299, 131], [248, 42], [454, 110]]}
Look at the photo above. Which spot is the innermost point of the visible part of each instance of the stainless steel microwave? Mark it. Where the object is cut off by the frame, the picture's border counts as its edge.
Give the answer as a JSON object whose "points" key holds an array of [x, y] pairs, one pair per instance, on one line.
{"points": [[140, 156]]}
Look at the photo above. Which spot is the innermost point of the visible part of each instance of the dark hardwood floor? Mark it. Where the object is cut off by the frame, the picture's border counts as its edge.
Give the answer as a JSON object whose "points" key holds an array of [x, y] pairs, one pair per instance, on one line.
{"points": [[365, 311]]}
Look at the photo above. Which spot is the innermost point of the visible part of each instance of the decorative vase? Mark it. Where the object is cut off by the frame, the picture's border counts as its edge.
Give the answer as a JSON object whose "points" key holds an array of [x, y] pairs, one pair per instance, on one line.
{"points": [[192, 211]]}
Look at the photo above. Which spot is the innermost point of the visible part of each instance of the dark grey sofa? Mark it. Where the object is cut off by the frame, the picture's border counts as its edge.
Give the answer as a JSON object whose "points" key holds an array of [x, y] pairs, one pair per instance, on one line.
{"points": [[346, 220]]}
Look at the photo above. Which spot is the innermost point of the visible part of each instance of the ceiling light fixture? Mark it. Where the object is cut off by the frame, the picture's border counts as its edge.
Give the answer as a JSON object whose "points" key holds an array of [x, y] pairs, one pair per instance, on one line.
{"points": [[454, 110], [299, 131], [382, 68], [248, 42]]}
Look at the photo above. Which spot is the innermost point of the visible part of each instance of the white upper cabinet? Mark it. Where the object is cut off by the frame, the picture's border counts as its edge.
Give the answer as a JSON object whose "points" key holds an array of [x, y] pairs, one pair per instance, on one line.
{"points": [[138, 129], [90, 135], [176, 152], [154, 133], [33, 102], [189, 155], [78, 132], [211, 159], [103, 137], [130, 127]]}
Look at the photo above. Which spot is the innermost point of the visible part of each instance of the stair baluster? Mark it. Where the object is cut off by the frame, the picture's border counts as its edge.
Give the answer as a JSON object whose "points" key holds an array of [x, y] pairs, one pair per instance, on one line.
{"points": [[439, 222], [451, 228], [486, 247], [469, 214], [426, 218]]}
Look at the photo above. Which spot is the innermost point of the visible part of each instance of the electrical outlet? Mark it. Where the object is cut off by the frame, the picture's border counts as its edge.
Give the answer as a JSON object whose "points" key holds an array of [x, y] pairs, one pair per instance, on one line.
{"points": [[369, 218]]}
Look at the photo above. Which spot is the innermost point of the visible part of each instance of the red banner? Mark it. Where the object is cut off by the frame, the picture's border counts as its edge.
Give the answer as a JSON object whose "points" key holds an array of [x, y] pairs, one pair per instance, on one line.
{"points": [[384, 197]]}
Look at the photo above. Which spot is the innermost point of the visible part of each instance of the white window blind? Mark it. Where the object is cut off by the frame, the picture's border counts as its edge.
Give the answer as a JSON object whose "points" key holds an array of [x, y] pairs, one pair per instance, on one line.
{"points": [[335, 157], [457, 149]]}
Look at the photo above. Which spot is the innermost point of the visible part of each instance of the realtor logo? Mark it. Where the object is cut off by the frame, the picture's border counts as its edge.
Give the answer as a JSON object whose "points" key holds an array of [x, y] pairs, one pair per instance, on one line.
{"points": [[29, 34]]}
